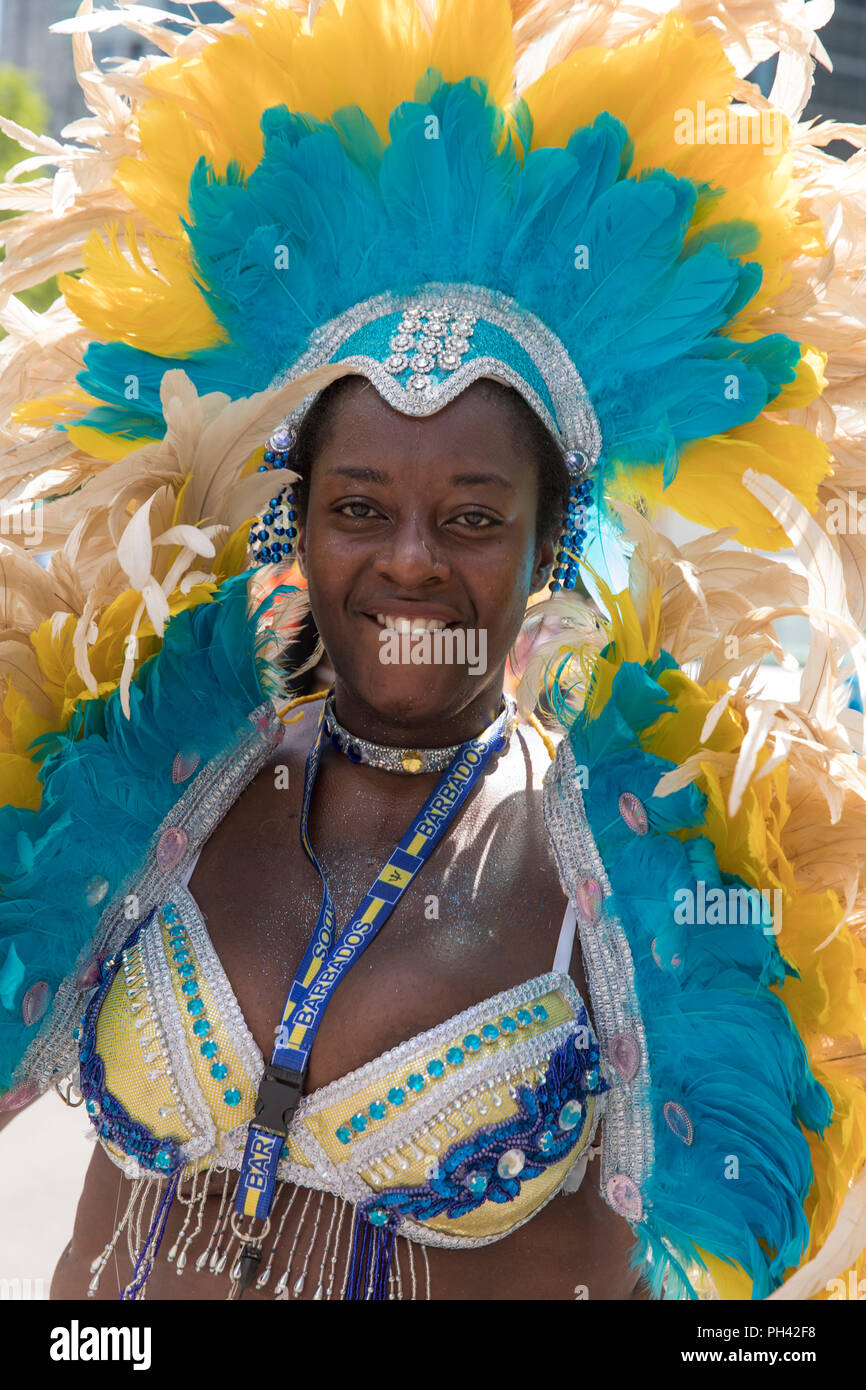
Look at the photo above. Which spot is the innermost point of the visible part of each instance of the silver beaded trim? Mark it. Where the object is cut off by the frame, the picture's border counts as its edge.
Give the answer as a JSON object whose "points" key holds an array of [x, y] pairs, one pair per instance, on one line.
{"points": [[388, 758], [627, 1142], [576, 425], [179, 1065]]}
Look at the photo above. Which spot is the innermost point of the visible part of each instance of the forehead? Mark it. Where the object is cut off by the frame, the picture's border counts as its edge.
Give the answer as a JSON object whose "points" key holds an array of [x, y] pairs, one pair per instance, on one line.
{"points": [[473, 427]]}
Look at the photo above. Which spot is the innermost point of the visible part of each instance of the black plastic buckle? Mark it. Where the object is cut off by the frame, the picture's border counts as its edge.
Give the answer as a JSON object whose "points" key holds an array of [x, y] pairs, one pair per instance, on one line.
{"points": [[278, 1098]]}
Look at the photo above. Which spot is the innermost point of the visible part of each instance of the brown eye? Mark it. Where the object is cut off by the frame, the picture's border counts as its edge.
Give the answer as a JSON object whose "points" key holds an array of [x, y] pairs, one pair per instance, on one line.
{"points": [[344, 507]]}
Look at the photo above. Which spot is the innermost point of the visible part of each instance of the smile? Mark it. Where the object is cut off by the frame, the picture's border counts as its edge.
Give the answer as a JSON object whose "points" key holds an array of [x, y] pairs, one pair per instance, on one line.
{"points": [[403, 624]]}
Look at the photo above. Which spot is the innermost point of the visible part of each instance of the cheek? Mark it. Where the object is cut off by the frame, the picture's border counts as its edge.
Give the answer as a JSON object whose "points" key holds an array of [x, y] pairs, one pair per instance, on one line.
{"points": [[503, 577]]}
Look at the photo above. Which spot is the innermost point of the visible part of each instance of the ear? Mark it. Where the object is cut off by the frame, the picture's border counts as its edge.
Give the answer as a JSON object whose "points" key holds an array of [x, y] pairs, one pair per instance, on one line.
{"points": [[301, 548], [543, 566]]}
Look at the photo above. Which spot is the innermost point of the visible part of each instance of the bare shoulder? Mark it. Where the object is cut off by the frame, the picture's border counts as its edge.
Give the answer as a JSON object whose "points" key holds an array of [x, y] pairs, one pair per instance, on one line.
{"points": [[529, 757]]}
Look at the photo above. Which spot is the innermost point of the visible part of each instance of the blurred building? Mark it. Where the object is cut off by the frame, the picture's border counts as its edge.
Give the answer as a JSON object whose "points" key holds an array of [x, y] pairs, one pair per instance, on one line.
{"points": [[840, 95], [26, 41]]}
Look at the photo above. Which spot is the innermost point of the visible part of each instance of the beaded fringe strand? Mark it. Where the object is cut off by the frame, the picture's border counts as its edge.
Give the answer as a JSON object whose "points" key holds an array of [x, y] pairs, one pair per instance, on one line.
{"points": [[372, 1268]]}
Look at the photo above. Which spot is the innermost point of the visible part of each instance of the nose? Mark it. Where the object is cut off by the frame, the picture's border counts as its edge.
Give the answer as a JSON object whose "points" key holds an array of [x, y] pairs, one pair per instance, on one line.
{"points": [[412, 555]]}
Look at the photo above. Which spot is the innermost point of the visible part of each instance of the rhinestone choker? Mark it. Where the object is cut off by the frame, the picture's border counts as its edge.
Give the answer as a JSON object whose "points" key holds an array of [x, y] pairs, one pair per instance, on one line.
{"points": [[407, 760]]}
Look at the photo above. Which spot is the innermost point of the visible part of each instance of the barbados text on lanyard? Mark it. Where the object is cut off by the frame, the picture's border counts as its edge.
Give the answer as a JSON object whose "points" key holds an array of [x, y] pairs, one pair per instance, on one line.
{"points": [[325, 961]]}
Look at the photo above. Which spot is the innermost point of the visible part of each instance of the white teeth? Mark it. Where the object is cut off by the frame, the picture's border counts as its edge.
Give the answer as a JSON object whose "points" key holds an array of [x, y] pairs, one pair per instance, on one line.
{"points": [[410, 624]]}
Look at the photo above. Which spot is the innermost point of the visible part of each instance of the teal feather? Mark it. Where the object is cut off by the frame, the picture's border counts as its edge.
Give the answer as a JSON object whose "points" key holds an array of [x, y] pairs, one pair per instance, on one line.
{"points": [[720, 1042], [450, 197], [107, 785]]}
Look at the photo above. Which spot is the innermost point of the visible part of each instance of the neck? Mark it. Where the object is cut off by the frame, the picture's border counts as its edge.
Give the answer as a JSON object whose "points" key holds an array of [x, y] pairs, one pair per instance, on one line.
{"points": [[402, 728]]}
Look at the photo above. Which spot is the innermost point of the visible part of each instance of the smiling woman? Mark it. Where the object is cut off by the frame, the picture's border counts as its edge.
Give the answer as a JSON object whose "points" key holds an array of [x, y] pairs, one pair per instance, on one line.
{"points": [[405, 520], [384, 991]]}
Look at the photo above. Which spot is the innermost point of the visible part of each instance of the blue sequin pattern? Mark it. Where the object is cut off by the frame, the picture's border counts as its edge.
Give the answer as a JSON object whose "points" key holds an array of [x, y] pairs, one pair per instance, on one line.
{"points": [[573, 1074], [112, 1122]]}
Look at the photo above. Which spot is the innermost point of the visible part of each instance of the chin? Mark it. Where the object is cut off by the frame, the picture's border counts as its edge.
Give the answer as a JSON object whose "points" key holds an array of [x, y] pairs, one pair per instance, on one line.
{"points": [[416, 693]]}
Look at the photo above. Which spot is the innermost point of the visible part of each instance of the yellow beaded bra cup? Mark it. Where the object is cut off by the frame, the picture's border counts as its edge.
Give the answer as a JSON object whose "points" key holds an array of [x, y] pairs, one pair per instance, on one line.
{"points": [[469, 202]]}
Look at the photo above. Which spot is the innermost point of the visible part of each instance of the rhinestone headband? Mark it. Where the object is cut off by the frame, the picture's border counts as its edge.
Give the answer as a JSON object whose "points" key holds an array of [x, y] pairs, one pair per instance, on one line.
{"points": [[422, 350], [406, 760]]}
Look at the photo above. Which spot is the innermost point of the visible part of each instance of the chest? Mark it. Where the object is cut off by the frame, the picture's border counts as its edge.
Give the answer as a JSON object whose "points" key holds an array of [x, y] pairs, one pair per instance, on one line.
{"points": [[483, 913]]}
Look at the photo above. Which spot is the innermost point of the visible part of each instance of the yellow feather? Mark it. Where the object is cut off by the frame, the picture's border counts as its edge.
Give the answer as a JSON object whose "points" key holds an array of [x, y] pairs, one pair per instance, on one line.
{"points": [[708, 486], [102, 445], [809, 382], [649, 84], [49, 410], [156, 307]]}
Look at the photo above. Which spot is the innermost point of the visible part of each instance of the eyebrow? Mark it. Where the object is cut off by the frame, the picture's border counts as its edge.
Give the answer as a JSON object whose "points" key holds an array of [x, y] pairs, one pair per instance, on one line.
{"points": [[373, 475]]}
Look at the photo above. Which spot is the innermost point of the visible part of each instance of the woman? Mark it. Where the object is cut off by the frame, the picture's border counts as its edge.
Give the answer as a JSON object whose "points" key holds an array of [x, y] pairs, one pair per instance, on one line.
{"points": [[476, 331], [469, 554]]}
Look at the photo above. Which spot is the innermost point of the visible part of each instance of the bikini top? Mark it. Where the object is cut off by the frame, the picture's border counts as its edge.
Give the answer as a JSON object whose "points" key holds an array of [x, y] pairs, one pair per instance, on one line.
{"points": [[462, 1133]]}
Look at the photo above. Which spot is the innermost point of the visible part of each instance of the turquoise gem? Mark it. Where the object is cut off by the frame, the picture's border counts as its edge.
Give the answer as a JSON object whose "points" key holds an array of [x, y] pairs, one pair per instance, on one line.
{"points": [[472, 1042], [592, 1077], [546, 1141], [477, 1183], [284, 1151], [396, 1096], [169, 913], [184, 971], [219, 1071], [76, 1034], [378, 1110], [524, 1017], [195, 1006], [571, 1114], [359, 1123], [454, 1057], [232, 1097], [415, 1082], [208, 1049], [189, 986], [540, 1012], [344, 1135], [93, 1107], [378, 1217], [507, 1024], [435, 1068], [201, 1027], [163, 1159], [490, 1032], [182, 957]]}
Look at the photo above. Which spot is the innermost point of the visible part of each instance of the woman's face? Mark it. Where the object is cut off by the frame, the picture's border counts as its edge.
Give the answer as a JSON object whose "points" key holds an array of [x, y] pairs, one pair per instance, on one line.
{"points": [[412, 519]]}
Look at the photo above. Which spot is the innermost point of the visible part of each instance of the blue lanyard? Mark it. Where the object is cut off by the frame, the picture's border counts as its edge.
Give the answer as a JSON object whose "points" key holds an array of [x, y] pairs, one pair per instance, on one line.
{"points": [[325, 961]]}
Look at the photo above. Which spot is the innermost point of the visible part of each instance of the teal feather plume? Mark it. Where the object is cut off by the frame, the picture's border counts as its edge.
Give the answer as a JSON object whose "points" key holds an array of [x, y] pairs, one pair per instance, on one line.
{"points": [[720, 1041], [456, 195], [107, 785]]}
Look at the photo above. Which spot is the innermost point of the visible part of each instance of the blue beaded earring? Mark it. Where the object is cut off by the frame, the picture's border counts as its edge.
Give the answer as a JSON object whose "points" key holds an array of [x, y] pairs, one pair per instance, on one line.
{"points": [[570, 544], [272, 535]]}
